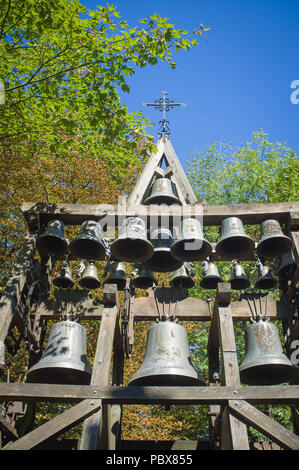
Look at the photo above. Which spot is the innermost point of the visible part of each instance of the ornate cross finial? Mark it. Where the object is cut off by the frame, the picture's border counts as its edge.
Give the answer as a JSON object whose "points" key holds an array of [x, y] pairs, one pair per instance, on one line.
{"points": [[163, 105]]}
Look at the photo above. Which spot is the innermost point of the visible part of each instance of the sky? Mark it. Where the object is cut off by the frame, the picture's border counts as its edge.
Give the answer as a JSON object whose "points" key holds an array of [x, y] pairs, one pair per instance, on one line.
{"points": [[237, 81]]}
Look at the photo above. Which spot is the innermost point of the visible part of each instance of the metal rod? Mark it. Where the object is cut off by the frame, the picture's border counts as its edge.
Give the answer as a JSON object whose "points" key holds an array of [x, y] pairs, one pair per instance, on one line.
{"points": [[252, 314], [157, 305]]}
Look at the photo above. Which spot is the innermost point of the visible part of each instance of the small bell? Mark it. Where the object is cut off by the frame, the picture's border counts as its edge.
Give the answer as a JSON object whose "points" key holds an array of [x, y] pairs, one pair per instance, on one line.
{"points": [[52, 241], [89, 244], [211, 276], [238, 278], [64, 280], [132, 244], [265, 278], [233, 240], [273, 242], [90, 279], [285, 266], [117, 275], [191, 245], [144, 279], [162, 261], [64, 360], [264, 362], [167, 358], [182, 278], [162, 193]]}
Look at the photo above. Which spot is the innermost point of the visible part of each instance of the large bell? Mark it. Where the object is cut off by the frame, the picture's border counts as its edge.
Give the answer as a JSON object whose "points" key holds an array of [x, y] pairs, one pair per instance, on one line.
{"points": [[264, 362], [211, 276], [89, 244], [144, 279], [273, 242], [265, 279], [64, 279], [181, 278], [64, 359], [191, 245], [162, 193], [233, 240], [132, 244], [52, 241], [167, 358], [89, 279], [238, 278], [285, 266], [117, 275], [162, 261]]}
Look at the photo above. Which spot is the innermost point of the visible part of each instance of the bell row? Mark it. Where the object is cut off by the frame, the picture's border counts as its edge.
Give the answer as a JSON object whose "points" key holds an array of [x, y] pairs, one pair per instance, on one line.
{"points": [[161, 252]]}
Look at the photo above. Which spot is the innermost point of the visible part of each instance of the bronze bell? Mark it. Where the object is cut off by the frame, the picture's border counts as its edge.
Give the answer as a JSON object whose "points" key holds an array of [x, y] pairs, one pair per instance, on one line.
{"points": [[265, 278], [182, 278], [52, 241], [117, 275], [191, 245], [89, 244], [233, 240], [144, 279], [211, 276], [238, 278], [162, 261], [273, 242], [132, 244], [167, 358], [162, 193], [64, 360], [285, 266], [264, 362], [90, 279], [64, 280]]}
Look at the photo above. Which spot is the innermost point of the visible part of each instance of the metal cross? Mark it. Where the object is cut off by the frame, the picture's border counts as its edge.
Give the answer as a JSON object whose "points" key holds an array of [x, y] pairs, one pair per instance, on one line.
{"points": [[163, 105]]}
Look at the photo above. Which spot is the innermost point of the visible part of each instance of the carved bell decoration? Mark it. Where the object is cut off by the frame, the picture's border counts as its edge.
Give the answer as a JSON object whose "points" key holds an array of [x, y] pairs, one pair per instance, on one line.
{"points": [[285, 266], [117, 275], [264, 362], [64, 279], [233, 240], [238, 278], [89, 279], [162, 260], [144, 279], [132, 244], [211, 276], [167, 358], [89, 244], [162, 193], [191, 245], [182, 278], [265, 278], [64, 359], [273, 242], [52, 241]]}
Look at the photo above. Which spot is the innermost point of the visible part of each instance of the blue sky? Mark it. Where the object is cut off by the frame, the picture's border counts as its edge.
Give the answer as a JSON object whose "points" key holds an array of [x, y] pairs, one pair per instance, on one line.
{"points": [[237, 81]]}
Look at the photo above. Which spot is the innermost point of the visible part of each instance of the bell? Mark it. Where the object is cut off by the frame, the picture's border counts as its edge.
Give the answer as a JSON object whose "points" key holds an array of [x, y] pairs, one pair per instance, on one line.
{"points": [[167, 359], [64, 280], [132, 244], [233, 240], [265, 278], [211, 276], [90, 279], [89, 244], [144, 279], [238, 278], [162, 261], [64, 359], [273, 242], [285, 266], [117, 275], [264, 362], [181, 278], [162, 193], [52, 241], [191, 245]]}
